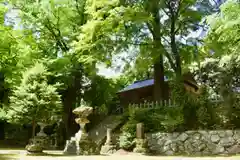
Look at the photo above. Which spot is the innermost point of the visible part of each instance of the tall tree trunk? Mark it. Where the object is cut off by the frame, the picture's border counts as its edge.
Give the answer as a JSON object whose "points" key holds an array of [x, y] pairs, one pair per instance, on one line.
{"points": [[174, 49], [69, 102], [2, 131], [178, 70], [159, 86], [33, 128], [174, 14], [70, 97]]}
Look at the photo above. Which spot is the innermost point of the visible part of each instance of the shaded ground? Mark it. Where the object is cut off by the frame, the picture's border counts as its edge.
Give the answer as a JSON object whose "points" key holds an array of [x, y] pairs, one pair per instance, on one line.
{"points": [[57, 155]]}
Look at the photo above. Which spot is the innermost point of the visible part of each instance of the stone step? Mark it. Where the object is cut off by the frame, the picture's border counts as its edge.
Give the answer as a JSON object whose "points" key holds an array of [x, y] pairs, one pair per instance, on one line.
{"points": [[98, 133]]}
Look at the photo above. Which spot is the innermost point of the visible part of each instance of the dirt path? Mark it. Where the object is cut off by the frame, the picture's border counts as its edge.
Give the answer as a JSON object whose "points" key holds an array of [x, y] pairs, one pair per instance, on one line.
{"points": [[57, 155], [126, 157]]}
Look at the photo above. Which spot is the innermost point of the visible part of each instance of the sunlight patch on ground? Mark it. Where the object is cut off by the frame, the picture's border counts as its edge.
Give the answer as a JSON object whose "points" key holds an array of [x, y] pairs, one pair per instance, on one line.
{"points": [[57, 155]]}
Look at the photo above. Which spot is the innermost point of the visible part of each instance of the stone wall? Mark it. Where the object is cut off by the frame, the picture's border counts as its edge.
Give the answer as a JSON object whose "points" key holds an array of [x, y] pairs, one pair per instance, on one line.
{"points": [[195, 142]]}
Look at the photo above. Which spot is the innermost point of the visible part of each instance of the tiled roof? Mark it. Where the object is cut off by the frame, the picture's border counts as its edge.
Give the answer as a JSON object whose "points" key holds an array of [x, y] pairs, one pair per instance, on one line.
{"points": [[139, 84]]}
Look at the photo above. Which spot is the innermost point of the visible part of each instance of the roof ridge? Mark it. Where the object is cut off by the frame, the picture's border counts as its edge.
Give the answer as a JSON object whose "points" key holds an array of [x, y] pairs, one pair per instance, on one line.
{"points": [[140, 84], [142, 80]]}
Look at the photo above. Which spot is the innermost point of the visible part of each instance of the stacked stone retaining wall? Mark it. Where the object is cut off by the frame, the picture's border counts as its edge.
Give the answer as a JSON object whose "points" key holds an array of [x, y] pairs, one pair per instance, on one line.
{"points": [[195, 142]]}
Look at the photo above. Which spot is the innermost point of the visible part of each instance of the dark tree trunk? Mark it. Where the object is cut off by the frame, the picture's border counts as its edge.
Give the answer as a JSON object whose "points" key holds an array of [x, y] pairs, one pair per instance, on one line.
{"points": [[178, 70], [70, 97], [159, 88], [33, 128], [2, 131], [174, 49], [69, 101], [67, 109], [174, 13]]}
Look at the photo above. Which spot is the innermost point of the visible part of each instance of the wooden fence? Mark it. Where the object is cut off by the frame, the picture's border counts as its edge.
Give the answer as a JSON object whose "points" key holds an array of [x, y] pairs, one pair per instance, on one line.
{"points": [[157, 104]]}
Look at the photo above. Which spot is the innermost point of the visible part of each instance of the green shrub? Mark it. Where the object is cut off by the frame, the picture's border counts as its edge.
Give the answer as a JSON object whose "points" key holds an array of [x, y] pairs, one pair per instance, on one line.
{"points": [[154, 119], [173, 119], [198, 111], [207, 112], [190, 112], [147, 116], [130, 127], [126, 141], [230, 112]]}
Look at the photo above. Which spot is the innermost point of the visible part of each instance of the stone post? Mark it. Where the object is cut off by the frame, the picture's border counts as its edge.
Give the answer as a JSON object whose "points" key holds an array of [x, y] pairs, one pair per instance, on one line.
{"points": [[140, 131], [140, 139], [109, 137], [55, 141], [108, 147]]}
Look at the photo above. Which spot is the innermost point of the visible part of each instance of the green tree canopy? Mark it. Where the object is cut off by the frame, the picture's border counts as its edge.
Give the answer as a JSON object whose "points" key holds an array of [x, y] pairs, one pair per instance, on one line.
{"points": [[34, 100], [223, 36]]}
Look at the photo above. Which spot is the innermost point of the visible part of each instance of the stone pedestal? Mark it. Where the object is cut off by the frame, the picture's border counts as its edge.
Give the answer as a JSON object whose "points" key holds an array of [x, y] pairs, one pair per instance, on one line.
{"points": [[140, 146], [81, 144], [70, 147], [41, 133], [84, 147], [88, 147], [140, 139], [34, 148], [108, 147], [39, 142]]}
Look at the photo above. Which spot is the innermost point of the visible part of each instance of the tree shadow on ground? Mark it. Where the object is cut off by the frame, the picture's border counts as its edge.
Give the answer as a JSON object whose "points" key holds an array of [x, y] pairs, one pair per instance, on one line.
{"points": [[48, 155], [44, 154], [16, 156], [8, 157]]}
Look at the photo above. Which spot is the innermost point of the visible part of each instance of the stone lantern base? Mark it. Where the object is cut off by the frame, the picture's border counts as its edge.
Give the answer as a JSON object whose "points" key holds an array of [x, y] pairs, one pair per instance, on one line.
{"points": [[70, 147], [34, 148], [84, 147], [108, 149], [88, 147], [140, 146]]}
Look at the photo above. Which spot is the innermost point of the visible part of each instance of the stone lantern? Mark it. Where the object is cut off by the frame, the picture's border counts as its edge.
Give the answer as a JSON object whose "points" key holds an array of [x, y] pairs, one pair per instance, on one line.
{"points": [[81, 144], [82, 113]]}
